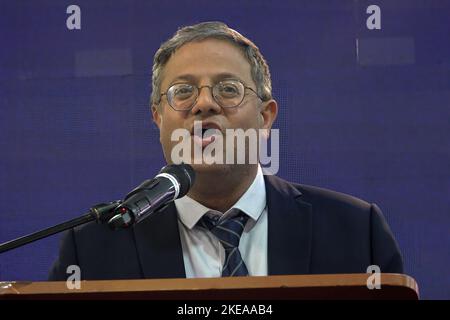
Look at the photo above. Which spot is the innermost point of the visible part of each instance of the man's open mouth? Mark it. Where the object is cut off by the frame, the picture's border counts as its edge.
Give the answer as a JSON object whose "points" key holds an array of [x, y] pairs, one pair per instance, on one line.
{"points": [[205, 133]]}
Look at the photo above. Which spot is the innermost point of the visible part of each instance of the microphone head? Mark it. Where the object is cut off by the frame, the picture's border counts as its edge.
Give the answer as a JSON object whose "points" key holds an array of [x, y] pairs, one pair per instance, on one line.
{"points": [[184, 174]]}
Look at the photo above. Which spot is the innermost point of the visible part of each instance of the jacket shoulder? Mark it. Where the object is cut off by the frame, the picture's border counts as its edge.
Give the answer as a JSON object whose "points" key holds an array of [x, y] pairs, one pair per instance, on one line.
{"points": [[318, 196]]}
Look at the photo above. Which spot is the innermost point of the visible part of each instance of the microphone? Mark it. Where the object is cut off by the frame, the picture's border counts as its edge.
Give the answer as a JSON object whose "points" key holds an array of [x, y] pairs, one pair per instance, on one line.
{"points": [[172, 182]]}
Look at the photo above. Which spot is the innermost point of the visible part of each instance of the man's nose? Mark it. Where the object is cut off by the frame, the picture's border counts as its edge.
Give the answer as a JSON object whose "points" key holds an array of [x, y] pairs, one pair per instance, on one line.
{"points": [[205, 101]]}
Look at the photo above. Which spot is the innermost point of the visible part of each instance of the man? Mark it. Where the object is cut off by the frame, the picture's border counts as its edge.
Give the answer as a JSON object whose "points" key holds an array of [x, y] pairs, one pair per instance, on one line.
{"points": [[234, 221]]}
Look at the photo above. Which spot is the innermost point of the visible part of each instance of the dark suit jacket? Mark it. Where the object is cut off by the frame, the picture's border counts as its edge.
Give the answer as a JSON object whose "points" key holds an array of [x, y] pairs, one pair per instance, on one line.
{"points": [[310, 231]]}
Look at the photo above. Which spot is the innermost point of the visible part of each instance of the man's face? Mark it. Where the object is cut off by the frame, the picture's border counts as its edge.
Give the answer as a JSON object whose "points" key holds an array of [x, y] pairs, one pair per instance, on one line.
{"points": [[206, 63]]}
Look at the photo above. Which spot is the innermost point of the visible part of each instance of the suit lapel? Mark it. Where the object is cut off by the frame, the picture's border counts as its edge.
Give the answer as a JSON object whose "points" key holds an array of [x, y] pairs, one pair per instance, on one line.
{"points": [[158, 245], [289, 236], [289, 229]]}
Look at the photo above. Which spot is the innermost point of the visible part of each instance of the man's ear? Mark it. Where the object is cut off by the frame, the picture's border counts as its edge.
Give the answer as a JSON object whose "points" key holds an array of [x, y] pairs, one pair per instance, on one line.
{"points": [[268, 114], [156, 113]]}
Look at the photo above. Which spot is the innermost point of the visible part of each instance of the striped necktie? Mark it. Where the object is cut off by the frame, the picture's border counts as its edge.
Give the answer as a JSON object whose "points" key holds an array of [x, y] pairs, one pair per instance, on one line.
{"points": [[229, 232]]}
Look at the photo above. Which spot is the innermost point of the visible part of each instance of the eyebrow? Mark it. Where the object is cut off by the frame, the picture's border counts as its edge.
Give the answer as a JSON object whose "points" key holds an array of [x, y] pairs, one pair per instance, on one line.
{"points": [[216, 78]]}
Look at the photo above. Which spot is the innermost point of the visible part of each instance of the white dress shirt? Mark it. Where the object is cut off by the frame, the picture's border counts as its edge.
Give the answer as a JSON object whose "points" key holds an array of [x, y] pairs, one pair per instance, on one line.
{"points": [[203, 254]]}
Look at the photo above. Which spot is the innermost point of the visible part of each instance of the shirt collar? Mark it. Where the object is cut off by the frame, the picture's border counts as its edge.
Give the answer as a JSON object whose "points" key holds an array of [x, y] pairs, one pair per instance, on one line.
{"points": [[252, 203]]}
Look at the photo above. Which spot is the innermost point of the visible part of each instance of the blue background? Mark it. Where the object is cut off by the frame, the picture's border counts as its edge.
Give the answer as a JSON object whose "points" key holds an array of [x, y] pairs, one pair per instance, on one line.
{"points": [[365, 112]]}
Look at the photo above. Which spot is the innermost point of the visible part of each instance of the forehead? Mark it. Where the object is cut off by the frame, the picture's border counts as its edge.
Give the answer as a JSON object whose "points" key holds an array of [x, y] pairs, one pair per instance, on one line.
{"points": [[206, 60]]}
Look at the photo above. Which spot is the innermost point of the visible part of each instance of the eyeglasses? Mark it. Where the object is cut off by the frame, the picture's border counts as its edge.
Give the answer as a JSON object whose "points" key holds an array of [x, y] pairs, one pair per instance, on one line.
{"points": [[227, 94]]}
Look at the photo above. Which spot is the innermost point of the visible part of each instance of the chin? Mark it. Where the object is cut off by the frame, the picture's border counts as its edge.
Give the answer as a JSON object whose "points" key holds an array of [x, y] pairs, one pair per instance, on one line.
{"points": [[211, 168]]}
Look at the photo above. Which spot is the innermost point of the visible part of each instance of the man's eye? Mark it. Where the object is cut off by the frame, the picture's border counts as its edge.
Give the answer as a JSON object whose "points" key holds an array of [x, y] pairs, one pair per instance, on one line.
{"points": [[229, 90], [183, 92]]}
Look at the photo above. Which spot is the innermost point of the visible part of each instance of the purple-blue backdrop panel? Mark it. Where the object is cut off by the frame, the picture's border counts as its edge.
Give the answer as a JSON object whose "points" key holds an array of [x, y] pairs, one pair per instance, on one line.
{"points": [[365, 112]]}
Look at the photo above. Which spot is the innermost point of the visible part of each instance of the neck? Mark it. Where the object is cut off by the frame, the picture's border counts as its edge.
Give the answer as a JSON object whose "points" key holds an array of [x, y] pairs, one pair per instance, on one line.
{"points": [[221, 189]]}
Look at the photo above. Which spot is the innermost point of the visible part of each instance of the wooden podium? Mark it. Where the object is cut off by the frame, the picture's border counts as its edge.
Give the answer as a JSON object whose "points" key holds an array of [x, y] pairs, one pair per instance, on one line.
{"points": [[295, 287]]}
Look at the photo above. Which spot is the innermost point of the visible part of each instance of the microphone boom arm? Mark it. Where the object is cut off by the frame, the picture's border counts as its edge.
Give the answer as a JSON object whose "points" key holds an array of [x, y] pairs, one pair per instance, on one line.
{"points": [[101, 212]]}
